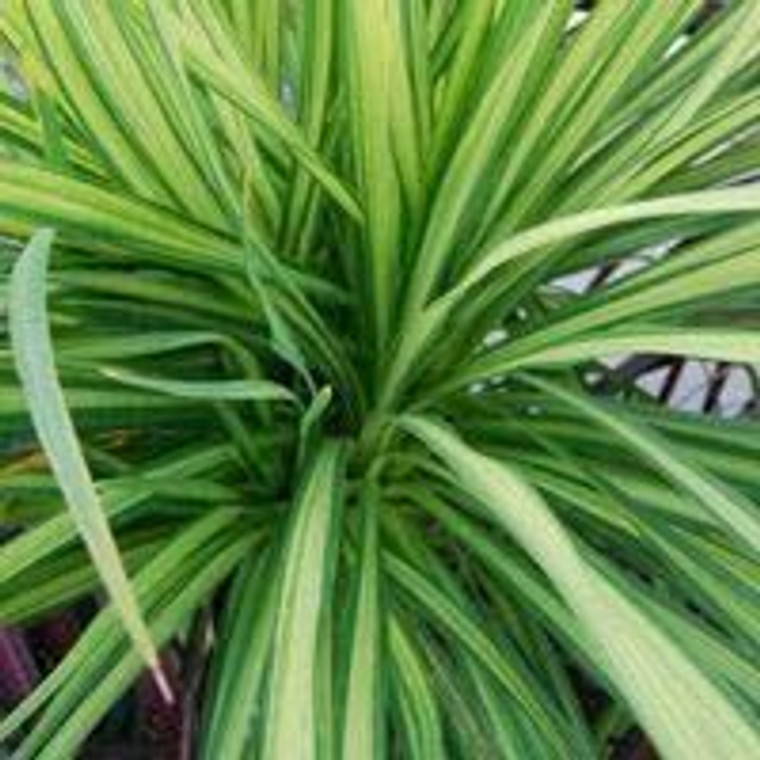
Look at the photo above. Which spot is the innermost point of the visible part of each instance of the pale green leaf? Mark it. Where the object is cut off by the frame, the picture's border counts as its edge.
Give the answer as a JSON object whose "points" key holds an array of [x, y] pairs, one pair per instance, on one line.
{"points": [[685, 714], [33, 352]]}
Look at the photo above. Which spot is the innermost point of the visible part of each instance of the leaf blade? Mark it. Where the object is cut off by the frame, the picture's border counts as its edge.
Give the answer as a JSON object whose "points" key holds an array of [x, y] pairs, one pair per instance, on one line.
{"points": [[686, 715], [33, 353], [292, 720]]}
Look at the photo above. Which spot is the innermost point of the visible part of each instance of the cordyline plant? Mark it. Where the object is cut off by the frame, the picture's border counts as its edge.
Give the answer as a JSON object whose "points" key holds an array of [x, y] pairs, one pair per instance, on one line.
{"points": [[289, 377]]}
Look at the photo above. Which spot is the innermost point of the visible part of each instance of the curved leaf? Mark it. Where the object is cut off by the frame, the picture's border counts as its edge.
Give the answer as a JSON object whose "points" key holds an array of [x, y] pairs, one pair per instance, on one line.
{"points": [[33, 352]]}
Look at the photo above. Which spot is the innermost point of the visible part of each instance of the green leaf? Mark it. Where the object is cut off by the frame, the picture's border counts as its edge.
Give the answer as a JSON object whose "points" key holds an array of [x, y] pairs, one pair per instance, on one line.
{"points": [[66, 686], [246, 638], [362, 736], [258, 199], [33, 352], [729, 507], [740, 200], [417, 704], [684, 713], [42, 541], [537, 350], [232, 79], [503, 663], [292, 722], [216, 390], [85, 714]]}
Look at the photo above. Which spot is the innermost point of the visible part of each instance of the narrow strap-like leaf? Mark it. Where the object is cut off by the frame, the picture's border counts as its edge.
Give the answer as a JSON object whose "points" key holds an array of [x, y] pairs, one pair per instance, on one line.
{"points": [[361, 730], [730, 508], [209, 390], [33, 352], [542, 349], [686, 715], [292, 726]]}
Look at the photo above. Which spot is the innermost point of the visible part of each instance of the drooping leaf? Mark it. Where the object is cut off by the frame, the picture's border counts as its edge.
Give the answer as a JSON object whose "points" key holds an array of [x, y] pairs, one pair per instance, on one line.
{"points": [[683, 711], [33, 352]]}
